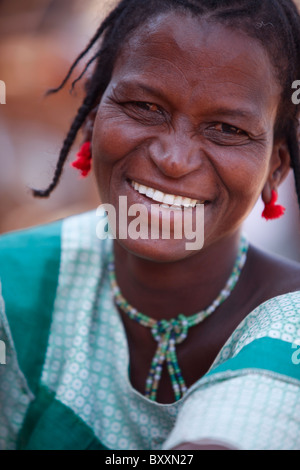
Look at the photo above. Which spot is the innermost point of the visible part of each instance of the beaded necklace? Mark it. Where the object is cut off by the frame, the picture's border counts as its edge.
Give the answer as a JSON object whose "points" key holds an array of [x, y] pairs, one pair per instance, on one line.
{"points": [[168, 333]]}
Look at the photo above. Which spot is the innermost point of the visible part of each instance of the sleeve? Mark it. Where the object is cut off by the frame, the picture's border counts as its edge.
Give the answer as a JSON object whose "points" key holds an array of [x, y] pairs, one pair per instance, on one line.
{"points": [[250, 402], [250, 398], [29, 267], [250, 411]]}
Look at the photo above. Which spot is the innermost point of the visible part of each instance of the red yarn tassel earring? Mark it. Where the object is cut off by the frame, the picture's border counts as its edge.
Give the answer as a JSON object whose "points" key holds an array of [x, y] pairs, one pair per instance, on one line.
{"points": [[273, 210], [84, 159]]}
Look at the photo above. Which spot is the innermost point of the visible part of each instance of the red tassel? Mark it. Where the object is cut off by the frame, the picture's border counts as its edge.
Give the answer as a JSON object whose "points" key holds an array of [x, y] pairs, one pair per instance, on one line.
{"points": [[272, 210], [84, 159]]}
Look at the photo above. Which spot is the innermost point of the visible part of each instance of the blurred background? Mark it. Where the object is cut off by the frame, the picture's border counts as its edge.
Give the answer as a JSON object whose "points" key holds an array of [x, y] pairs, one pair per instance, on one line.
{"points": [[39, 39]]}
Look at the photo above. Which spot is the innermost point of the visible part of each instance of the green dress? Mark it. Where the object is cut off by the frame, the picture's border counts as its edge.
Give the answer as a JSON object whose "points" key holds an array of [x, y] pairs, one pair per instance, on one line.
{"points": [[64, 359]]}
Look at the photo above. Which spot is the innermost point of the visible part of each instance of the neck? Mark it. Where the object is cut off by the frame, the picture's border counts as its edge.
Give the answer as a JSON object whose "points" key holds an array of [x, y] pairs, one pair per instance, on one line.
{"points": [[164, 290]]}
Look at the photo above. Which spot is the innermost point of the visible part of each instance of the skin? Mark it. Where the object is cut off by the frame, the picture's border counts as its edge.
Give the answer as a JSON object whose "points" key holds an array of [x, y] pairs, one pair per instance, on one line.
{"points": [[187, 111], [180, 147]]}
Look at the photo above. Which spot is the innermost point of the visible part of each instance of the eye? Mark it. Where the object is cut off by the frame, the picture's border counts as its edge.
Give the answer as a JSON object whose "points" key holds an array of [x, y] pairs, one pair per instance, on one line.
{"points": [[228, 129], [226, 134], [145, 112], [154, 108]]}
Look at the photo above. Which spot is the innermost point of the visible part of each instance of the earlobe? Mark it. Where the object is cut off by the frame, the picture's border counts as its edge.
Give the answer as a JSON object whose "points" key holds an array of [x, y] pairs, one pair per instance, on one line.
{"points": [[88, 125], [279, 169], [280, 165], [83, 161], [273, 210], [283, 162]]}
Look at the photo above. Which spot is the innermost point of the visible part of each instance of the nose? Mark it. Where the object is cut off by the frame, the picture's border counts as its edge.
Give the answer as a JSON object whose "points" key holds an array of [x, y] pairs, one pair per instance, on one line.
{"points": [[176, 155]]}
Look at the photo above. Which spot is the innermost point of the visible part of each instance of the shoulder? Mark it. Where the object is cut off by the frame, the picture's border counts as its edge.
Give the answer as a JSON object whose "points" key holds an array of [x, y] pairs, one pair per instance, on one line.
{"points": [[271, 302], [31, 264], [25, 242], [26, 258], [30, 258], [272, 275], [29, 267], [38, 246], [30, 261]]}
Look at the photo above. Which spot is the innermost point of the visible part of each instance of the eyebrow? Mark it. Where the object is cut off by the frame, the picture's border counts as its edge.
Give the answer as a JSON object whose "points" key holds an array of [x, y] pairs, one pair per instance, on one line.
{"points": [[127, 85], [237, 112], [244, 113]]}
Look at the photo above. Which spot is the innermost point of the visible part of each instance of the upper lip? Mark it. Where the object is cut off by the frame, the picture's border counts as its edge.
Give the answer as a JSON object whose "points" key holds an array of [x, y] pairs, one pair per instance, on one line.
{"points": [[169, 191]]}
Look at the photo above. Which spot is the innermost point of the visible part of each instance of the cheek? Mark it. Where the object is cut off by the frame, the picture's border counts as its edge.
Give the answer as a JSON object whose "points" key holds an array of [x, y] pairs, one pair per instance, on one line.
{"points": [[107, 142], [115, 142], [114, 139], [245, 170]]}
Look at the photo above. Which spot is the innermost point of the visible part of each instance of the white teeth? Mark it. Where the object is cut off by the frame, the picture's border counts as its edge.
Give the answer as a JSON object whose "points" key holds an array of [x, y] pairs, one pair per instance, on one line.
{"points": [[186, 202], [167, 199], [142, 189], [166, 206], [149, 192], [177, 201], [158, 196]]}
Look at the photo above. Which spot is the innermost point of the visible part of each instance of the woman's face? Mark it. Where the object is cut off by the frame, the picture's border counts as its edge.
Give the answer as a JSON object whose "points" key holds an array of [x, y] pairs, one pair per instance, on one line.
{"points": [[190, 112]]}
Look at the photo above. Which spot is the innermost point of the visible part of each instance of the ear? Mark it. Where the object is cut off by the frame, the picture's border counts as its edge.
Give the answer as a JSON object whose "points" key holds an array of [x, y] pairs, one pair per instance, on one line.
{"points": [[88, 125], [279, 167]]}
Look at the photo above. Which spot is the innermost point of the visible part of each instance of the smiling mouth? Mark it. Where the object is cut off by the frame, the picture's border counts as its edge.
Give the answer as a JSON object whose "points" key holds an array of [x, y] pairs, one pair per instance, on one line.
{"points": [[166, 200]]}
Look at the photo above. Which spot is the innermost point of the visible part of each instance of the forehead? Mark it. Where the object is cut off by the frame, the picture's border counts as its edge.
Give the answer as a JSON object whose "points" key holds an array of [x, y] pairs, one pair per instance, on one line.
{"points": [[179, 49]]}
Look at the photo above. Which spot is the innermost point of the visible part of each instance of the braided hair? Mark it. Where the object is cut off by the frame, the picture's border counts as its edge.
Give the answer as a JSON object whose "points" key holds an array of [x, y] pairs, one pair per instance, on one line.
{"points": [[274, 23]]}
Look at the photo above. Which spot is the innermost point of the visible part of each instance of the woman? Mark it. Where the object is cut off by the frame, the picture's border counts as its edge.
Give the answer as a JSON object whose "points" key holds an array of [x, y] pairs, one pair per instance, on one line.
{"points": [[136, 343]]}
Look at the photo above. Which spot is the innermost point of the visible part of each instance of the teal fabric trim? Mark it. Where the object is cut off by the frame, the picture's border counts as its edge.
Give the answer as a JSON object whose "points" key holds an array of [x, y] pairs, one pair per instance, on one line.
{"points": [[50, 425], [268, 354], [29, 268]]}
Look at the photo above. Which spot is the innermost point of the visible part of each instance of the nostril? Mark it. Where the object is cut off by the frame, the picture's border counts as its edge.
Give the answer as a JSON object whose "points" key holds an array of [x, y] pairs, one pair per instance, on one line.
{"points": [[173, 167], [176, 157]]}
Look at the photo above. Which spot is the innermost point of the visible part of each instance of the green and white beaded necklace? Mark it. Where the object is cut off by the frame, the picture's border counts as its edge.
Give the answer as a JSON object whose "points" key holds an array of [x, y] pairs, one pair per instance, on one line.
{"points": [[168, 333]]}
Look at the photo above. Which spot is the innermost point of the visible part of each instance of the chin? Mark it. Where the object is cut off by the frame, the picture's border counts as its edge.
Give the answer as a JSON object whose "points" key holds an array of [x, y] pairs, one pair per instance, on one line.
{"points": [[158, 251]]}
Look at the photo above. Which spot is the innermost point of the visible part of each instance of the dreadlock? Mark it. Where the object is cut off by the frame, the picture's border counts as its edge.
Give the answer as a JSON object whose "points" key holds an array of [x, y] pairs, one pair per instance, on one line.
{"points": [[274, 23]]}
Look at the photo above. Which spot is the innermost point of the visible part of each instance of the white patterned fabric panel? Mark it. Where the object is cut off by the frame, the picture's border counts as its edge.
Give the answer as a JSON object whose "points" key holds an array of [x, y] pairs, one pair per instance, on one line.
{"points": [[87, 357], [250, 412], [278, 318]]}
